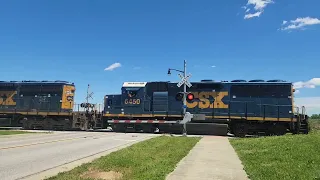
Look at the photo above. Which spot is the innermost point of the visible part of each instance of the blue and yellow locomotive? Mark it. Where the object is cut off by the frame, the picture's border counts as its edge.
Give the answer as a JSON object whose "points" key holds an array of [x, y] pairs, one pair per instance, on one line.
{"points": [[239, 107], [32, 104]]}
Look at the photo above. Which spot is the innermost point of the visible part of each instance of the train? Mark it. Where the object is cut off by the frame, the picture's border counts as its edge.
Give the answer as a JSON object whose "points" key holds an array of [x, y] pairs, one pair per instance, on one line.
{"points": [[44, 105], [238, 107]]}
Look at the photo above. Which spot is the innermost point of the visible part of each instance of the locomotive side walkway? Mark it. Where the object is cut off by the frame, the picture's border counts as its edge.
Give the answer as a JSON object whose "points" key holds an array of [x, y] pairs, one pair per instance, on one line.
{"points": [[213, 157]]}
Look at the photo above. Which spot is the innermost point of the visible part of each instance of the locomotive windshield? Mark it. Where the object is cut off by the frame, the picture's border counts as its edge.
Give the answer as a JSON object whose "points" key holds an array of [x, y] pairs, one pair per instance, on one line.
{"points": [[132, 92]]}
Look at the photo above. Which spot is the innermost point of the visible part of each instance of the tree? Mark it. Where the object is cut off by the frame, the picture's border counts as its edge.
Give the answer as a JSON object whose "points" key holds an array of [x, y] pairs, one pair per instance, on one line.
{"points": [[315, 116]]}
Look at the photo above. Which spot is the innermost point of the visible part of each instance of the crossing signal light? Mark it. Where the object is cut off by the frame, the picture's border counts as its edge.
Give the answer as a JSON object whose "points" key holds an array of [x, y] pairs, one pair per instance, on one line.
{"points": [[179, 96], [190, 97]]}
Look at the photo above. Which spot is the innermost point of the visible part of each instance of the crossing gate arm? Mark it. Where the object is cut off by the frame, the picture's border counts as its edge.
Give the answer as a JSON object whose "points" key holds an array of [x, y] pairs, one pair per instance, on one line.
{"points": [[188, 117], [141, 121]]}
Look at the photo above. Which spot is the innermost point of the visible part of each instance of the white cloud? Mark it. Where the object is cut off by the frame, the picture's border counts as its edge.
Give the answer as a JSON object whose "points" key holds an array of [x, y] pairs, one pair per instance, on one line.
{"points": [[213, 66], [297, 91], [300, 23], [113, 66], [248, 16], [259, 6], [312, 104], [312, 83]]}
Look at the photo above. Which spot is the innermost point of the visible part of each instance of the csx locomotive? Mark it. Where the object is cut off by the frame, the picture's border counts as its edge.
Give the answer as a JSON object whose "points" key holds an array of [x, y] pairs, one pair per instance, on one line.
{"points": [[43, 105], [239, 107]]}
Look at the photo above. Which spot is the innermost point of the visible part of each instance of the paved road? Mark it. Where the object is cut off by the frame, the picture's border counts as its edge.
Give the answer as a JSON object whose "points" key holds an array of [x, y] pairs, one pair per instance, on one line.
{"points": [[36, 155]]}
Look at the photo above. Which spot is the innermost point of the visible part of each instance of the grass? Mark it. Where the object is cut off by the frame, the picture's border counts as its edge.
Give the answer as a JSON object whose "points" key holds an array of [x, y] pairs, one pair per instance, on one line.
{"points": [[282, 157], [13, 132], [150, 159]]}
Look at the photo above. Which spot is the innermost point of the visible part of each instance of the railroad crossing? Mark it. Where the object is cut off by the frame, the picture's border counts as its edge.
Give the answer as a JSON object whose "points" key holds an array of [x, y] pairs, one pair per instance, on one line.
{"points": [[185, 82]]}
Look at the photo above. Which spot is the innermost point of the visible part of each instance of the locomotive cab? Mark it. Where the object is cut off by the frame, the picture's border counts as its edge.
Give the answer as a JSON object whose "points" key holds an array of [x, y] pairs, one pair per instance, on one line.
{"points": [[132, 94], [128, 102]]}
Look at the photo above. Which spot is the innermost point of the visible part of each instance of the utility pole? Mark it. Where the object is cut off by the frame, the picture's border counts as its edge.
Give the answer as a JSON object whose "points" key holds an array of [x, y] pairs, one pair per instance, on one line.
{"points": [[185, 82]]}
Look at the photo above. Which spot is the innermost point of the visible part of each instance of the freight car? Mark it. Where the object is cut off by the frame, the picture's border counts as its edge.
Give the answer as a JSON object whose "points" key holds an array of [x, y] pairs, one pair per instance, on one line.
{"points": [[43, 105], [239, 107]]}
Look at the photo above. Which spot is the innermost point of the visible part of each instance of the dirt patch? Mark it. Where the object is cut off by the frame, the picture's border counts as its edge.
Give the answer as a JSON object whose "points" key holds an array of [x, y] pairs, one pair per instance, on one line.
{"points": [[110, 175]]}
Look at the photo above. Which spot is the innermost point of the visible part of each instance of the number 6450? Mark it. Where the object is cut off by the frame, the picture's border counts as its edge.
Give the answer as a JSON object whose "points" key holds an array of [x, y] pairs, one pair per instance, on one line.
{"points": [[132, 101]]}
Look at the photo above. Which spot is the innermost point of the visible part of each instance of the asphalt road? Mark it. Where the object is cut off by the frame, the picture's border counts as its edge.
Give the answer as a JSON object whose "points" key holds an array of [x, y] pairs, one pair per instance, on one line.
{"points": [[33, 156]]}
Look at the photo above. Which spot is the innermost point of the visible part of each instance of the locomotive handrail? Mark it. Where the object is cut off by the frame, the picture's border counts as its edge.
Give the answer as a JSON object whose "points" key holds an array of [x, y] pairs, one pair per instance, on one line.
{"points": [[297, 110], [303, 110]]}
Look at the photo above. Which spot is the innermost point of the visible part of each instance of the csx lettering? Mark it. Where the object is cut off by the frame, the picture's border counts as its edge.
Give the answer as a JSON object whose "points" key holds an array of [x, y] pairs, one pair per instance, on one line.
{"points": [[6, 98], [204, 101], [132, 101]]}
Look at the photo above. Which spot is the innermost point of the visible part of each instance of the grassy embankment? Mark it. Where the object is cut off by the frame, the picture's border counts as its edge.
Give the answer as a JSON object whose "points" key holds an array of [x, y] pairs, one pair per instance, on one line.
{"points": [[13, 132], [150, 159], [283, 157]]}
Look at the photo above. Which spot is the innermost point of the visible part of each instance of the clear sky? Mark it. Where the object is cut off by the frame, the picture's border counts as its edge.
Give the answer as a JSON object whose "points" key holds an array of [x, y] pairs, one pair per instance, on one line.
{"points": [[78, 40]]}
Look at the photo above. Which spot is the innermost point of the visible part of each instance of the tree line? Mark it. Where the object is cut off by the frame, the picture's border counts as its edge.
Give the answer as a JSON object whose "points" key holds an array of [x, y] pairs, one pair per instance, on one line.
{"points": [[315, 116]]}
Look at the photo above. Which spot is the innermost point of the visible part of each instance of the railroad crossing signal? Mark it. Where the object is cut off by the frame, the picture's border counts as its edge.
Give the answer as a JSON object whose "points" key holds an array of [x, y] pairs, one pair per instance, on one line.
{"points": [[184, 80], [89, 95]]}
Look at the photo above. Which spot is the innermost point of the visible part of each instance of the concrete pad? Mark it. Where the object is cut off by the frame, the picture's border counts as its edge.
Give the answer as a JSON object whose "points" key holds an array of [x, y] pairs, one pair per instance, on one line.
{"points": [[213, 157]]}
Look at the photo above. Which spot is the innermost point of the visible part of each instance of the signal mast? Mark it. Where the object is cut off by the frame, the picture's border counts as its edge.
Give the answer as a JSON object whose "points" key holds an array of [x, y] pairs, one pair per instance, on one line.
{"points": [[88, 105], [89, 109], [185, 82]]}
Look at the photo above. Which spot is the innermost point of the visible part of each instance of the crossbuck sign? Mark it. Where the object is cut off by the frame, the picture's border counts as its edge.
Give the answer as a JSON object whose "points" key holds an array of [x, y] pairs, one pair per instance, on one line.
{"points": [[184, 80]]}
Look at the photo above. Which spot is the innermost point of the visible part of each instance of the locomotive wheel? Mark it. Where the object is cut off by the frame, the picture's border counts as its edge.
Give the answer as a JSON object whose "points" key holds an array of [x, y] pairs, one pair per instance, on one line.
{"points": [[277, 130], [26, 124], [148, 128], [240, 129], [119, 128], [280, 130]]}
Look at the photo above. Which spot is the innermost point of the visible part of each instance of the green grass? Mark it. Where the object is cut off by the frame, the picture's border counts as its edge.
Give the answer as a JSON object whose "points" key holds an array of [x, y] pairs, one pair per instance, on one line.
{"points": [[282, 157], [147, 160], [13, 132]]}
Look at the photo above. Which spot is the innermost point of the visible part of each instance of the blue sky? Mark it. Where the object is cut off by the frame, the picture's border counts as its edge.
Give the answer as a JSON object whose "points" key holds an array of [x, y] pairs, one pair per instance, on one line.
{"points": [[221, 40]]}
